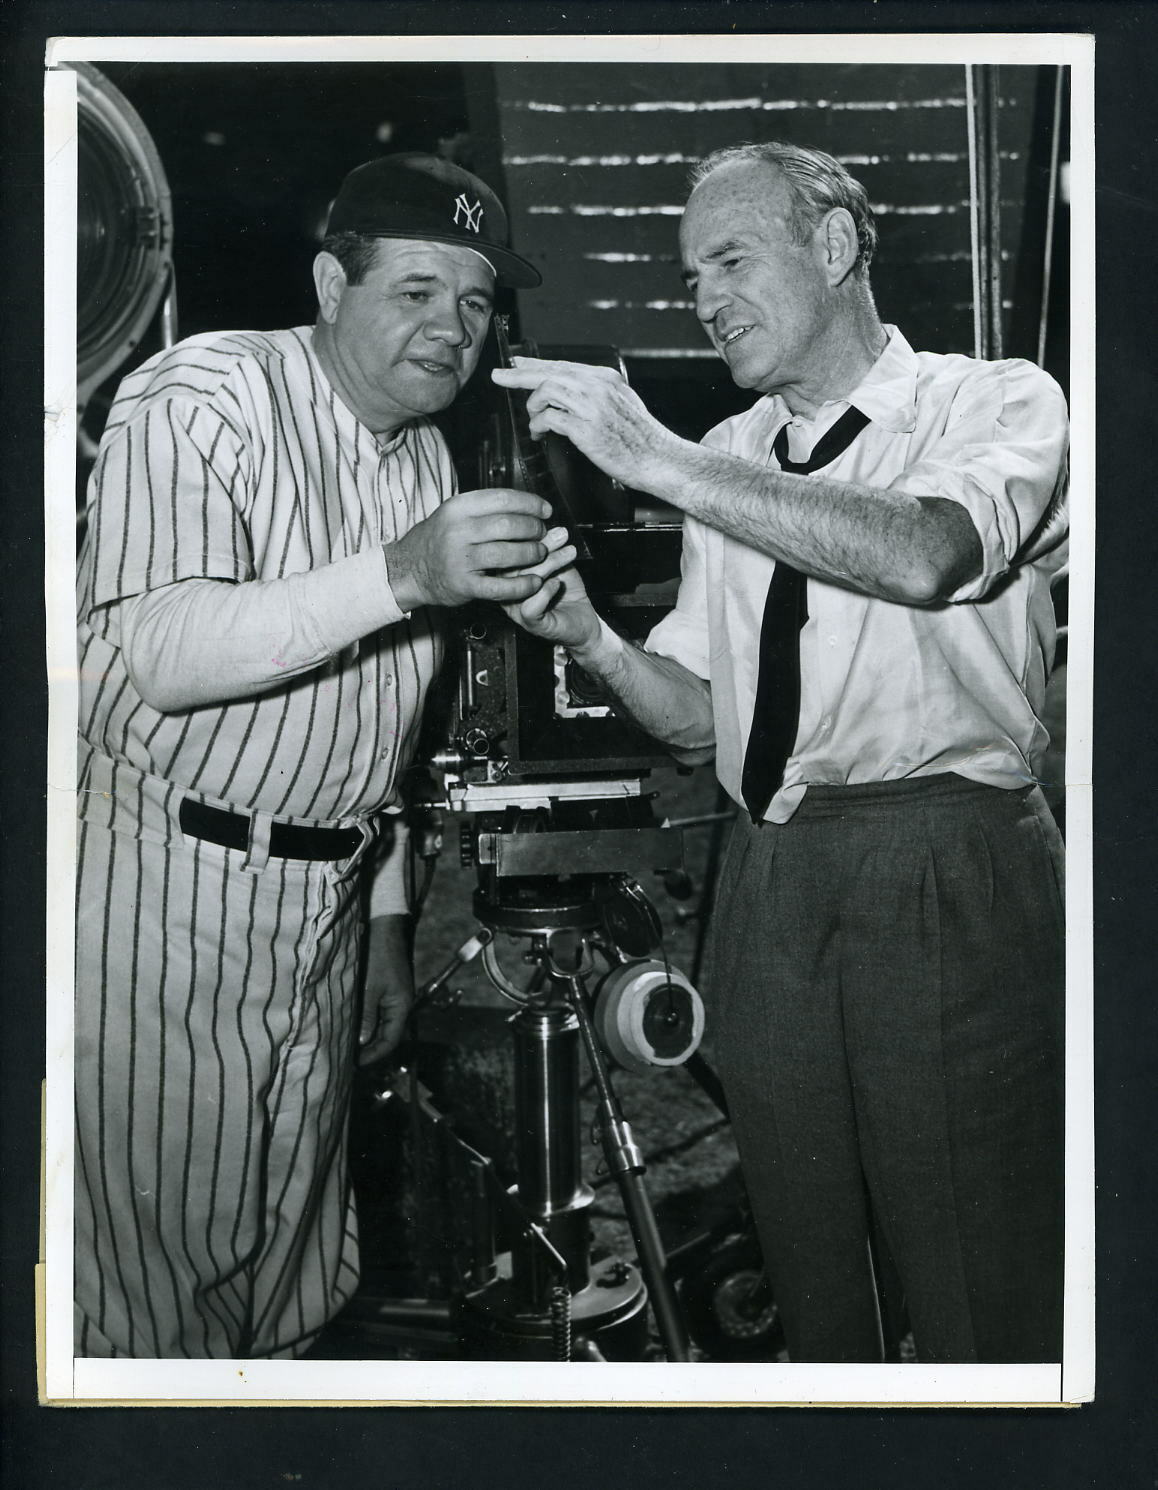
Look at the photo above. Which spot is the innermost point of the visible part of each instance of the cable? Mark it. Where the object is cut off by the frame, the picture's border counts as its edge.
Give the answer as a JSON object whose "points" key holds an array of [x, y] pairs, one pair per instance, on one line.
{"points": [[1050, 210]]}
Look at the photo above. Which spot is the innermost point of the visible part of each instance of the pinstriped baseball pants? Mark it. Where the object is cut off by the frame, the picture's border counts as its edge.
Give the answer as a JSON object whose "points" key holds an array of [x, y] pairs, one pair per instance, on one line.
{"points": [[216, 1018], [886, 1008]]}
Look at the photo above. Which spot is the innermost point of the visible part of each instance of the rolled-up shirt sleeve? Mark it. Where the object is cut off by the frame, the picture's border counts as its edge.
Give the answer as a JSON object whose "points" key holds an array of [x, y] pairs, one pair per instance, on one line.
{"points": [[683, 632], [1002, 456]]}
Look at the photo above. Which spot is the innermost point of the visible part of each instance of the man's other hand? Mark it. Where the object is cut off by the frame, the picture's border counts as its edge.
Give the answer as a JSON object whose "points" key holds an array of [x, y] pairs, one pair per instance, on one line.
{"points": [[389, 989], [460, 552], [559, 610], [596, 410]]}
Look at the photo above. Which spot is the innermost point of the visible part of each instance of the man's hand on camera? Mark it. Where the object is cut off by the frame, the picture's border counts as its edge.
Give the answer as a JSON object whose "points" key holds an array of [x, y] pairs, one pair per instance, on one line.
{"points": [[460, 552], [559, 610], [596, 410]]}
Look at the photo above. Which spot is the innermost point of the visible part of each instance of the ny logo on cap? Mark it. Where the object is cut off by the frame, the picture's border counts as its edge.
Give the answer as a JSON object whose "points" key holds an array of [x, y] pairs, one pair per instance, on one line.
{"points": [[467, 216]]}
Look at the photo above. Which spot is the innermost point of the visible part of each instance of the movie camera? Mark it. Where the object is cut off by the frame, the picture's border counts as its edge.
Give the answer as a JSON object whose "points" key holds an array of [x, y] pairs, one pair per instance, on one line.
{"points": [[550, 786], [520, 709]]}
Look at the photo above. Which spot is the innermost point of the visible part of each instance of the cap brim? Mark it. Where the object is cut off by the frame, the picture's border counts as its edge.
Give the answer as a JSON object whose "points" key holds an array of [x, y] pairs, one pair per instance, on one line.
{"points": [[511, 271]]}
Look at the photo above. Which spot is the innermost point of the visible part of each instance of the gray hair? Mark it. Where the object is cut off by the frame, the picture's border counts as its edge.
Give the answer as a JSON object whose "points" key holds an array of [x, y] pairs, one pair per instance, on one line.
{"points": [[355, 252], [818, 183]]}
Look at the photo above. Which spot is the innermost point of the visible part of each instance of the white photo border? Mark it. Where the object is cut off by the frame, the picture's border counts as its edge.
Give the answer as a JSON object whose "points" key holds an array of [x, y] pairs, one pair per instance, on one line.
{"points": [[65, 1379]]}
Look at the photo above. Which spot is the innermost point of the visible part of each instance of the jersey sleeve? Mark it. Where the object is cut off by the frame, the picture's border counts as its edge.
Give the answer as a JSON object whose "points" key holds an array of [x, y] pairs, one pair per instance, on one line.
{"points": [[389, 886], [1001, 456], [167, 502]]}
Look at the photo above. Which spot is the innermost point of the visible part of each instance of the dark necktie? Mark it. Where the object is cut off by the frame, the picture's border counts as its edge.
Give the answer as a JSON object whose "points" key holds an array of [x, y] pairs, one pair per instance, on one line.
{"points": [[777, 714]]}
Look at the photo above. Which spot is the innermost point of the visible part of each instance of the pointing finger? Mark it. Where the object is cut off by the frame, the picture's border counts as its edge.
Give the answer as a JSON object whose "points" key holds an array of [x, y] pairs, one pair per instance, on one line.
{"points": [[562, 368], [521, 377]]}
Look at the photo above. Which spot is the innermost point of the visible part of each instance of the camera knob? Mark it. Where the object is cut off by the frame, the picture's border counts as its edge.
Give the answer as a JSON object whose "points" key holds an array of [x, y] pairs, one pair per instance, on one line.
{"points": [[477, 742], [648, 1014]]}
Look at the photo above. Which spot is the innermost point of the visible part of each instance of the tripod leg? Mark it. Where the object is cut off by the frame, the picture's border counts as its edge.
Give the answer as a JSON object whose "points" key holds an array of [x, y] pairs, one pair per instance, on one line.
{"points": [[625, 1160], [707, 1080], [653, 1265]]}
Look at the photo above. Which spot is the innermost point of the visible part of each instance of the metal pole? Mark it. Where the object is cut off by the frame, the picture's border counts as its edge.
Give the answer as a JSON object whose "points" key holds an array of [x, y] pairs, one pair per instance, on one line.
{"points": [[993, 213], [547, 1139], [974, 209], [985, 209], [625, 1160], [1050, 211], [550, 1187], [169, 333]]}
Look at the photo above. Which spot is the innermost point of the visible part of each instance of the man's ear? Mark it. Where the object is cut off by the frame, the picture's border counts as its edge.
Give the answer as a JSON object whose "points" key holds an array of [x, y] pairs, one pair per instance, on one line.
{"points": [[330, 284], [840, 244]]}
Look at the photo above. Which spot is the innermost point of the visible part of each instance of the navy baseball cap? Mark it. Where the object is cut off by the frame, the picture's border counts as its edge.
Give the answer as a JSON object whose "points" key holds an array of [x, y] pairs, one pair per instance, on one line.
{"points": [[423, 196]]}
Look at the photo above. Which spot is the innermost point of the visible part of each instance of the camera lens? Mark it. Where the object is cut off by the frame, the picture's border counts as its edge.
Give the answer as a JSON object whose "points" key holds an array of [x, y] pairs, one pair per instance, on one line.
{"points": [[582, 687]]}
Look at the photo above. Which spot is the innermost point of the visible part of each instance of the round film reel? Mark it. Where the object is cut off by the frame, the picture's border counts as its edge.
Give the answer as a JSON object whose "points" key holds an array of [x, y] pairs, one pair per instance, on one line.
{"points": [[648, 1014]]}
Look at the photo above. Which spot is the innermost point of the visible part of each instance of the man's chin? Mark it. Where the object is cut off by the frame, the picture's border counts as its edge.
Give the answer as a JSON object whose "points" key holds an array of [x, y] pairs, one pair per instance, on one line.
{"points": [[430, 395], [745, 377], [742, 368]]}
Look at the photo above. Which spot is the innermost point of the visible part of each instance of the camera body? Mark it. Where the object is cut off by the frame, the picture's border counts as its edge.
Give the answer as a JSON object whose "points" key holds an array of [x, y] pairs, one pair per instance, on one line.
{"points": [[512, 707], [519, 707]]}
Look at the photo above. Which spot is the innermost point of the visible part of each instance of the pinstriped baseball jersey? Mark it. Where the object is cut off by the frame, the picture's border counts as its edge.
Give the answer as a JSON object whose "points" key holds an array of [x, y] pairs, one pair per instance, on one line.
{"points": [[217, 988], [230, 457]]}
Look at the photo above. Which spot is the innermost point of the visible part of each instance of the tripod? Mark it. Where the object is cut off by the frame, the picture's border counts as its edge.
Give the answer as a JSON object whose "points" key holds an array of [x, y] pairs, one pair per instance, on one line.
{"points": [[564, 923]]}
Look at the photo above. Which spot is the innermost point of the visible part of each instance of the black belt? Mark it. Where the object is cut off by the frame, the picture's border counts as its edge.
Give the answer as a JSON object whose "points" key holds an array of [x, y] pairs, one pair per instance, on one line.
{"points": [[286, 840]]}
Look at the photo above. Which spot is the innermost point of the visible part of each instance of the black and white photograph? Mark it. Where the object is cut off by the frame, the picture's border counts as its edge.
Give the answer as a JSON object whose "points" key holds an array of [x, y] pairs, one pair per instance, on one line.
{"points": [[570, 625]]}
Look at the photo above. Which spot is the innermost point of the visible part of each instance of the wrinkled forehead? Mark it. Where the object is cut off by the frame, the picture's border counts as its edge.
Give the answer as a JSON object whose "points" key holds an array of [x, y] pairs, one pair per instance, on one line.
{"points": [[748, 198]]}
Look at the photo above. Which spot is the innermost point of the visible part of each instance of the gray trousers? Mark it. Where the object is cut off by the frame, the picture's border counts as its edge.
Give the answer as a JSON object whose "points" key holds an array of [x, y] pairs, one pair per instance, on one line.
{"points": [[886, 1008]]}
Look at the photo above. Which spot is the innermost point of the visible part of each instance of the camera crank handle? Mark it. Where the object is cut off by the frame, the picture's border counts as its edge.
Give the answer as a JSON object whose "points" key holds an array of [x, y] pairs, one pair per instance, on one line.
{"points": [[469, 950]]}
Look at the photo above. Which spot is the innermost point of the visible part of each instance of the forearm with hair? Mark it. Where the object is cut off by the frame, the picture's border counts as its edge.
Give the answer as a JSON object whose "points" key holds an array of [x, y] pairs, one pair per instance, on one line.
{"points": [[892, 545], [658, 694]]}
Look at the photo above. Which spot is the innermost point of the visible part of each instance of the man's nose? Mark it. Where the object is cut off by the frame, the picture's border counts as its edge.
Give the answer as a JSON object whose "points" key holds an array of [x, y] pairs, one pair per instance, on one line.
{"points": [[710, 300], [447, 324]]}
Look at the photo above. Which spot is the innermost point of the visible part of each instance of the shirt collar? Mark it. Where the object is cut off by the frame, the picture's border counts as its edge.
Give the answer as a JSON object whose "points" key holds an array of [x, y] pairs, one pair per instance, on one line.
{"points": [[887, 393]]}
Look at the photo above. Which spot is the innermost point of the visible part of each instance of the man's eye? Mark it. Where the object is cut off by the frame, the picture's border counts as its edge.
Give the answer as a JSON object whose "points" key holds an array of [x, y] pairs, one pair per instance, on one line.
{"points": [[478, 307], [415, 295]]}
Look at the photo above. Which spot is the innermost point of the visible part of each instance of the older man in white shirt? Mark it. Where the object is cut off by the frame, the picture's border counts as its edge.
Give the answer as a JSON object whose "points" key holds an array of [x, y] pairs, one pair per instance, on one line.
{"points": [[862, 638]]}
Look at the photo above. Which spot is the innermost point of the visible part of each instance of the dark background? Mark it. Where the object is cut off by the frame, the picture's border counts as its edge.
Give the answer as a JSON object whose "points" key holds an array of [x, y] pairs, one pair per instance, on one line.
{"points": [[590, 158], [592, 162], [1110, 1443]]}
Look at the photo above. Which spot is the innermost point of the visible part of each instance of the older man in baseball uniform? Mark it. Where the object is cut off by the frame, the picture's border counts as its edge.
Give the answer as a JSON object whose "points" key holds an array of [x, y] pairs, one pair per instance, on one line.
{"points": [[271, 518]]}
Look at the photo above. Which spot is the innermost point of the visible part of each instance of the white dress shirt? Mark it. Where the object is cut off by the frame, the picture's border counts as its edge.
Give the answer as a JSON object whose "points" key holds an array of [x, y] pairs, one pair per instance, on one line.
{"points": [[890, 691]]}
